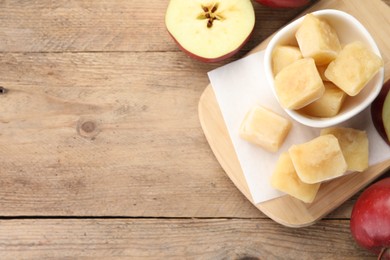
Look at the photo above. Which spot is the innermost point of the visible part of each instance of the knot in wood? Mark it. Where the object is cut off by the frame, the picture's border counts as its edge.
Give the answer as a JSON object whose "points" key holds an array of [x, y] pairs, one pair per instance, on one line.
{"points": [[3, 90], [87, 128]]}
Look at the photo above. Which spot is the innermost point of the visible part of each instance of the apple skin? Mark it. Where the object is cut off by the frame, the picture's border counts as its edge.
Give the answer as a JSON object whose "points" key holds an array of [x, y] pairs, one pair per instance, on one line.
{"points": [[376, 111], [370, 219], [213, 60], [283, 3]]}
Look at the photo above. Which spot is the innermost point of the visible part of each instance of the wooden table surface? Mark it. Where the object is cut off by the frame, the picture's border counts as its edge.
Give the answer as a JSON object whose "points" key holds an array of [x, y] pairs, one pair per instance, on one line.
{"points": [[102, 151]]}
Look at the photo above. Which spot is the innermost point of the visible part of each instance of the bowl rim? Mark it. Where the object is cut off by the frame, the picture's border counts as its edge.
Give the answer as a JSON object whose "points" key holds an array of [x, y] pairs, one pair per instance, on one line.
{"points": [[330, 121]]}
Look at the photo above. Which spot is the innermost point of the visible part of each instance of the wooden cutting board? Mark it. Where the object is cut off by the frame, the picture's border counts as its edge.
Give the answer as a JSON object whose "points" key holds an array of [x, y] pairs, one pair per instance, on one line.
{"points": [[286, 210]]}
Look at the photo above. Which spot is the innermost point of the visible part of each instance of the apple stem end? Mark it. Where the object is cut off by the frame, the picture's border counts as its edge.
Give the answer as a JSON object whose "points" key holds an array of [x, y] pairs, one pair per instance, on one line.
{"points": [[385, 252]]}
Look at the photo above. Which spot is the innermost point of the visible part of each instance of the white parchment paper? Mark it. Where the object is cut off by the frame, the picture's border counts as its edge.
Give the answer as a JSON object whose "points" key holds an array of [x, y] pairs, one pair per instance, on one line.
{"points": [[240, 85]]}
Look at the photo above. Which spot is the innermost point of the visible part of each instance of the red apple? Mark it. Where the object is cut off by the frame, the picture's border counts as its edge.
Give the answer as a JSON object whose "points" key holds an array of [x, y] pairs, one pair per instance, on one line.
{"points": [[283, 3], [210, 31], [370, 219], [380, 112]]}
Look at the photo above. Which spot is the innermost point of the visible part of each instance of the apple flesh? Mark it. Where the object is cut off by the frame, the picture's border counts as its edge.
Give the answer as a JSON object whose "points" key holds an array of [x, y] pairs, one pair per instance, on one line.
{"points": [[370, 219], [210, 31], [283, 3], [380, 112]]}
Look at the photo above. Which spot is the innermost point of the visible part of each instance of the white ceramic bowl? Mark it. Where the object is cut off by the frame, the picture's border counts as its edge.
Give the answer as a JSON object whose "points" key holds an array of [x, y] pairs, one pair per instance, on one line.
{"points": [[348, 29]]}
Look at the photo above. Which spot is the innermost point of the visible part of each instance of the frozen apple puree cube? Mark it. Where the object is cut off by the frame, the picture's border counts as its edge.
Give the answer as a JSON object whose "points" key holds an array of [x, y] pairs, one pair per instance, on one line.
{"points": [[299, 84], [318, 160], [285, 179], [328, 105], [318, 40], [265, 128], [284, 55], [354, 145], [353, 68]]}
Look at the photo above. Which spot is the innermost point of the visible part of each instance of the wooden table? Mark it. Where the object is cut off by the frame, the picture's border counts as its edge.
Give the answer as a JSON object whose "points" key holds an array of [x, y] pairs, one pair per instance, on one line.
{"points": [[102, 152]]}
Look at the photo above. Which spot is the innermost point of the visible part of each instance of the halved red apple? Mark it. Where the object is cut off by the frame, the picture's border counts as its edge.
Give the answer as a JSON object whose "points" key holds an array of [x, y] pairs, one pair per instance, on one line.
{"points": [[380, 112], [210, 31]]}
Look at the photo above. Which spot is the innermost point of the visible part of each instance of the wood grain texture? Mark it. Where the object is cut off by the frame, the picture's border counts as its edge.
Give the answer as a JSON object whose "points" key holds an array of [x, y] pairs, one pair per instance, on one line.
{"points": [[102, 25], [146, 153], [175, 239]]}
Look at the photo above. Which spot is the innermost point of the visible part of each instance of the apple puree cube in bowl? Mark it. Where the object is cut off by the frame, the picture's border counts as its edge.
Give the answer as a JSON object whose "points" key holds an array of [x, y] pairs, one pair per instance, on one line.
{"points": [[353, 68], [328, 105], [265, 128], [299, 84], [283, 56], [318, 160], [354, 145], [348, 30], [317, 40], [285, 179]]}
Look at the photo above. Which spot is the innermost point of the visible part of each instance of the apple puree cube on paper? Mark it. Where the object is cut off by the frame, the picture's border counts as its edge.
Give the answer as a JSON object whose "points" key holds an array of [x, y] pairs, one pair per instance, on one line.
{"points": [[353, 68], [328, 105], [318, 40], [265, 128], [354, 145], [299, 84], [285, 179], [318, 160], [284, 55]]}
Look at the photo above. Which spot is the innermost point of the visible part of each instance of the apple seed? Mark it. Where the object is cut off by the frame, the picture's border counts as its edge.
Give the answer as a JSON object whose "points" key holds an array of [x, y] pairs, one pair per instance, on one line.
{"points": [[214, 8]]}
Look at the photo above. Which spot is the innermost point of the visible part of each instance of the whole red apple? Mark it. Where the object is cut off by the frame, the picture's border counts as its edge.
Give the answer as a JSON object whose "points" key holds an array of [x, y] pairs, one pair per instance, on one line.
{"points": [[370, 219], [283, 3]]}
